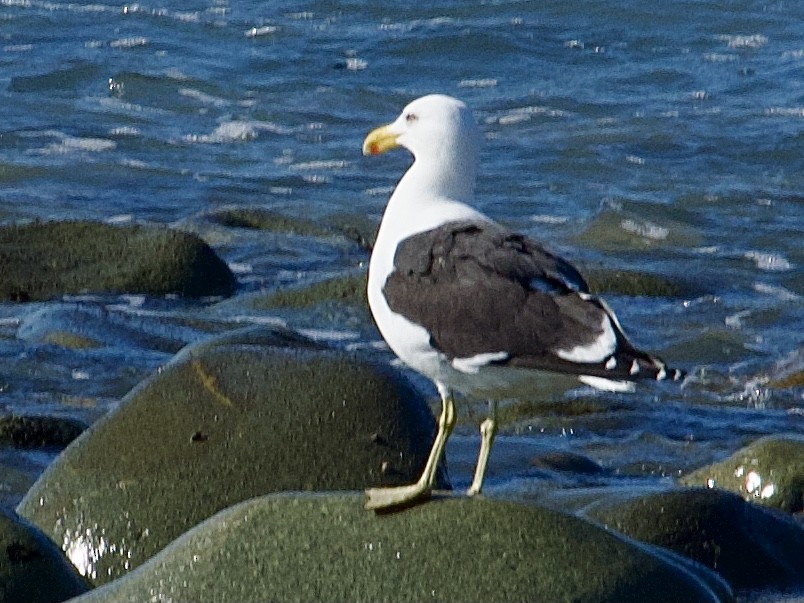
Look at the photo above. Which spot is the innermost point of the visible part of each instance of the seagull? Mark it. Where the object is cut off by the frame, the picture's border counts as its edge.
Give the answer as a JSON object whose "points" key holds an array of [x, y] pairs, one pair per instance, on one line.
{"points": [[474, 307]]}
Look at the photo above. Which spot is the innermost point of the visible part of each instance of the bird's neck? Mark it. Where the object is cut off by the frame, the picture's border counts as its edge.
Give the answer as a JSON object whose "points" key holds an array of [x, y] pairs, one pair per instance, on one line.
{"points": [[426, 198], [426, 183]]}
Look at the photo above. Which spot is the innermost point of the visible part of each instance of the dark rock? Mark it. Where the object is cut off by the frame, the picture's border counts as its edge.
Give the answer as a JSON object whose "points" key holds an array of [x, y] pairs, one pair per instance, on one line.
{"points": [[629, 282], [770, 472], [39, 432], [32, 568], [44, 260], [354, 227], [561, 460], [349, 289], [749, 546], [251, 413], [266, 219], [327, 548]]}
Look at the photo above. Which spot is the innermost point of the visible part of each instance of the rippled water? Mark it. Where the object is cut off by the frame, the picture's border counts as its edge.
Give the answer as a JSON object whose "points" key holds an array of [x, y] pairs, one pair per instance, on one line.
{"points": [[664, 138]]}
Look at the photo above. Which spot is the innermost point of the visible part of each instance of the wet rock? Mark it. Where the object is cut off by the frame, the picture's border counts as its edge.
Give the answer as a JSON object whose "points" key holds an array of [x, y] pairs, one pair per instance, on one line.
{"points": [[250, 413], [39, 432], [88, 326], [624, 229], [266, 219], [327, 548], [44, 260], [769, 472], [562, 460], [789, 372], [349, 289], [727, 346], [751, 547], [629, 282], [358, 228], [354, 227], [32, 568]]}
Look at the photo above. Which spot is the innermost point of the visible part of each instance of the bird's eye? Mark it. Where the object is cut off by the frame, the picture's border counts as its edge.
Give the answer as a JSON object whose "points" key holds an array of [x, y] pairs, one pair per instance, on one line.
{"points": [[411, 117]]}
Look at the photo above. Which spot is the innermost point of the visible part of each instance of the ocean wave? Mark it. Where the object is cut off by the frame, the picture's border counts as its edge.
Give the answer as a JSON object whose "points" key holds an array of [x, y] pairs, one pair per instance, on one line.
{"points": [[237, 131]]}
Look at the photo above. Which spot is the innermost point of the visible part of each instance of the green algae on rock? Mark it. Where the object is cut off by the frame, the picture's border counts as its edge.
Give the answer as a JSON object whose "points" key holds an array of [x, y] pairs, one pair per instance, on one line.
{"points": [[44, 260], [751, 547], [251, 413], [769, 471], [353, 227], [349, 289], [326, 547], [266, 219], [32, 568], [630, 282]]}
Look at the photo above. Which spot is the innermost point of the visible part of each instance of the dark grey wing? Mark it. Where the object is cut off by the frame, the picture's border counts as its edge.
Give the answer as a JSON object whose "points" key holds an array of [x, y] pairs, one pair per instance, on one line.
{"points": [[480, 289]]}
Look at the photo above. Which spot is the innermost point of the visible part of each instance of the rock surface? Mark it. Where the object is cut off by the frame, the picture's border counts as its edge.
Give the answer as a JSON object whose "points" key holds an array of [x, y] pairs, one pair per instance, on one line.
{"points": [[44, 260], [248, 414], [327, 548], [32, 568], [751, 547], [770, 472]]}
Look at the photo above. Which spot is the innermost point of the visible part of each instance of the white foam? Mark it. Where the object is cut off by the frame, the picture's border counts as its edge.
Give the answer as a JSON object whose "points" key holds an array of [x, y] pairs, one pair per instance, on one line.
{"points": [[329, 334], [769, 262], [356, 64], [71, 144], [778, 292], [203, 97], [785, 111], [549, 219], [478, 83], [647, 230], [129, 42], [235, 131], [743, 41], [265, 30], [241, 267], [333, 164]]}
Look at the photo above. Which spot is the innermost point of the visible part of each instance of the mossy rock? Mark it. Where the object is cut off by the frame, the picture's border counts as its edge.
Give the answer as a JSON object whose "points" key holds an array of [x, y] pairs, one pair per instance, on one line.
{"points": [[45, 260], [252, 413], [32, 568], [349, 289], [354, 227], [328, 548], [770, 472], [623, 231], [751, 547], [266, 219], [633, 283]]}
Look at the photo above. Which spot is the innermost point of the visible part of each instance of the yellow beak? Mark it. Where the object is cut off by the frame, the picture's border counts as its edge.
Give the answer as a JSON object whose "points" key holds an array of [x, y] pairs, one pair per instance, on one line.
{"points": [[379, 141]]}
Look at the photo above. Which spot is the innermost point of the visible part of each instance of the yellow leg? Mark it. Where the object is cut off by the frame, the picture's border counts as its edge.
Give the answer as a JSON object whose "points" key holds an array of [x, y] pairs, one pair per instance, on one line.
{"points": [[488, 429], [383, 498]]}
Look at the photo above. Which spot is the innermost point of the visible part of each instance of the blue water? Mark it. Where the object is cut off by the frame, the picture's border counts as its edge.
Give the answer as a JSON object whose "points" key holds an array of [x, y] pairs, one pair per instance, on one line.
{"points": [[658, 137]]}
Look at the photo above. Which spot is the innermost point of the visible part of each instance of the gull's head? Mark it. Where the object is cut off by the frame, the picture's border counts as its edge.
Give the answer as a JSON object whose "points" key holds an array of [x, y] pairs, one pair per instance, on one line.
{"points": [[438, 130]]}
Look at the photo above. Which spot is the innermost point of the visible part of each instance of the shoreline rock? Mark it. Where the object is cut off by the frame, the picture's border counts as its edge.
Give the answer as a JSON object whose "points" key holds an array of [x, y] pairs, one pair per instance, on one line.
{"points": [[252, 412], [326, 547], [32, 568], [42, 260], [751, 547], [770, 472]]}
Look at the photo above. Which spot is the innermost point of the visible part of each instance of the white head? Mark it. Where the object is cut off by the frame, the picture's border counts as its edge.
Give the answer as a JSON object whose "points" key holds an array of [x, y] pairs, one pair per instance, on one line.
{"points": [[444, 139]]}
